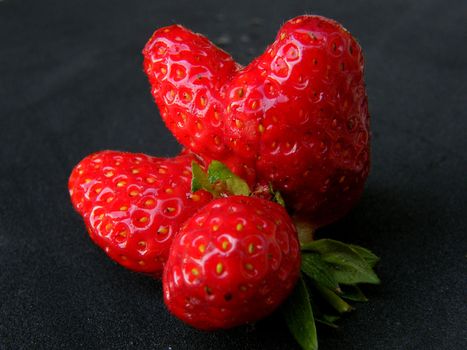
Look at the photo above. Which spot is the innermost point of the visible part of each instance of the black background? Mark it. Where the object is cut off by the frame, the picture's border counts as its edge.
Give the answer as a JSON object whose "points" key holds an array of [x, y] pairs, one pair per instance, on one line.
{"points": [[71, 83]]}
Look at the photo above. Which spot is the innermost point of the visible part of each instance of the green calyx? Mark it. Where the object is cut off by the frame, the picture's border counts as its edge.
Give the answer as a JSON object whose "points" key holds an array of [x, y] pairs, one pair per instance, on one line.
{"points": [[331, 272], [276, 196], [218, 180]]}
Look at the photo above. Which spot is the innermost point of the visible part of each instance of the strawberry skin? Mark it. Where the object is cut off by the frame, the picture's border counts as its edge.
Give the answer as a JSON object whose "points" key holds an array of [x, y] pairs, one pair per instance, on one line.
{"points": [[233, 262], [296, 117], [304, 113], [188, 76], [134, 204]]}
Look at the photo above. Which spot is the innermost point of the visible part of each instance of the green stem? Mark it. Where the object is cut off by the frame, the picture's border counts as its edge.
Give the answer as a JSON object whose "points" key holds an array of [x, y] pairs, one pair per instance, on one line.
{"points": [[332, 298], [304, 229]]}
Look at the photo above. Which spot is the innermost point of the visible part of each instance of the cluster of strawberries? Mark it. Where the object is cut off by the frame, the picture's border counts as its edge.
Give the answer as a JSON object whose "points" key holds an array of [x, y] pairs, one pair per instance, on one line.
{"points": [[293, 123]]}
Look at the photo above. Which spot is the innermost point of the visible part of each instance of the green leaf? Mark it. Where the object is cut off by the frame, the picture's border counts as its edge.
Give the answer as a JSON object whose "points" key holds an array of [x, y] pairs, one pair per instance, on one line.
{"points": [[279, 199], [366, 254], [276, 195], [332, 298], [218, 172], [318, 270], [331, 318], [199, 180], [299, 317], [328, 320], [348, 267], [353, 293]]}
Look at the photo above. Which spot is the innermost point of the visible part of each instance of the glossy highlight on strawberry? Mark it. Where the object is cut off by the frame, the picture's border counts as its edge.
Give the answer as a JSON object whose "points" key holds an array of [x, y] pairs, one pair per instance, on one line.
{"points": [[296, 117], [233, 262], [134, 204]]}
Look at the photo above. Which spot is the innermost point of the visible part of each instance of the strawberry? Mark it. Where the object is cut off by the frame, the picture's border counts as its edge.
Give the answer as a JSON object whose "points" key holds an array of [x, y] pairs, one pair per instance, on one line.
{"points": [[134, 204], [296, 117], [188, 75], [234, 261]]}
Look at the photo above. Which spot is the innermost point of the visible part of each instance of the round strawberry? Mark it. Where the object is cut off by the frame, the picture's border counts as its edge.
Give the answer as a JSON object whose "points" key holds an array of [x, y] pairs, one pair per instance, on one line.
{"points": [[134, 204], [296, 117], [233, 262]]}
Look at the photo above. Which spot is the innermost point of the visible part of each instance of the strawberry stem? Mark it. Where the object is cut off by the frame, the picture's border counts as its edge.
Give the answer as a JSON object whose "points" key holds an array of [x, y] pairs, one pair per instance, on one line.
{"points": [[304, 229], [332, 298]]}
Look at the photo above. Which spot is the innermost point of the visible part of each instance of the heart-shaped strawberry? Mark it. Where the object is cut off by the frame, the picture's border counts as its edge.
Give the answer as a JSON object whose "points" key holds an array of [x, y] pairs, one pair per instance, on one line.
{"points": [[134, 204], [296, 117]]}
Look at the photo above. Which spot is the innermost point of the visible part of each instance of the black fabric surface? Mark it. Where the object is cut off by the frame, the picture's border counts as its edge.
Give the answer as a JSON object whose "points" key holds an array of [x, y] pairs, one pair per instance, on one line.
{"points": [[71, 83]]}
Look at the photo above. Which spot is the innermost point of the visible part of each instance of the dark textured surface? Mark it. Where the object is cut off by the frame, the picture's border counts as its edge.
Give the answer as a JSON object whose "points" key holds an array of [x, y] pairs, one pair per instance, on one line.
{"points": [[71, 83]]}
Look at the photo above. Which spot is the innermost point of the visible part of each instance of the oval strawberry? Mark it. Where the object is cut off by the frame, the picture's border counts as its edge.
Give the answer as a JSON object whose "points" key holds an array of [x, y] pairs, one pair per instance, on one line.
{"points": [[134, 204], [233, 262], [296, 117]]}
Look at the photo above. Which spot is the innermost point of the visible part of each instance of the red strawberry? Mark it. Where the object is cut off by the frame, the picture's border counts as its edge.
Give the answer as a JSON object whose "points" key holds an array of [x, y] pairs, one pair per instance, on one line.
{"points": [[189, 76], [134, 204], [233, 262], [297, 116]]}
